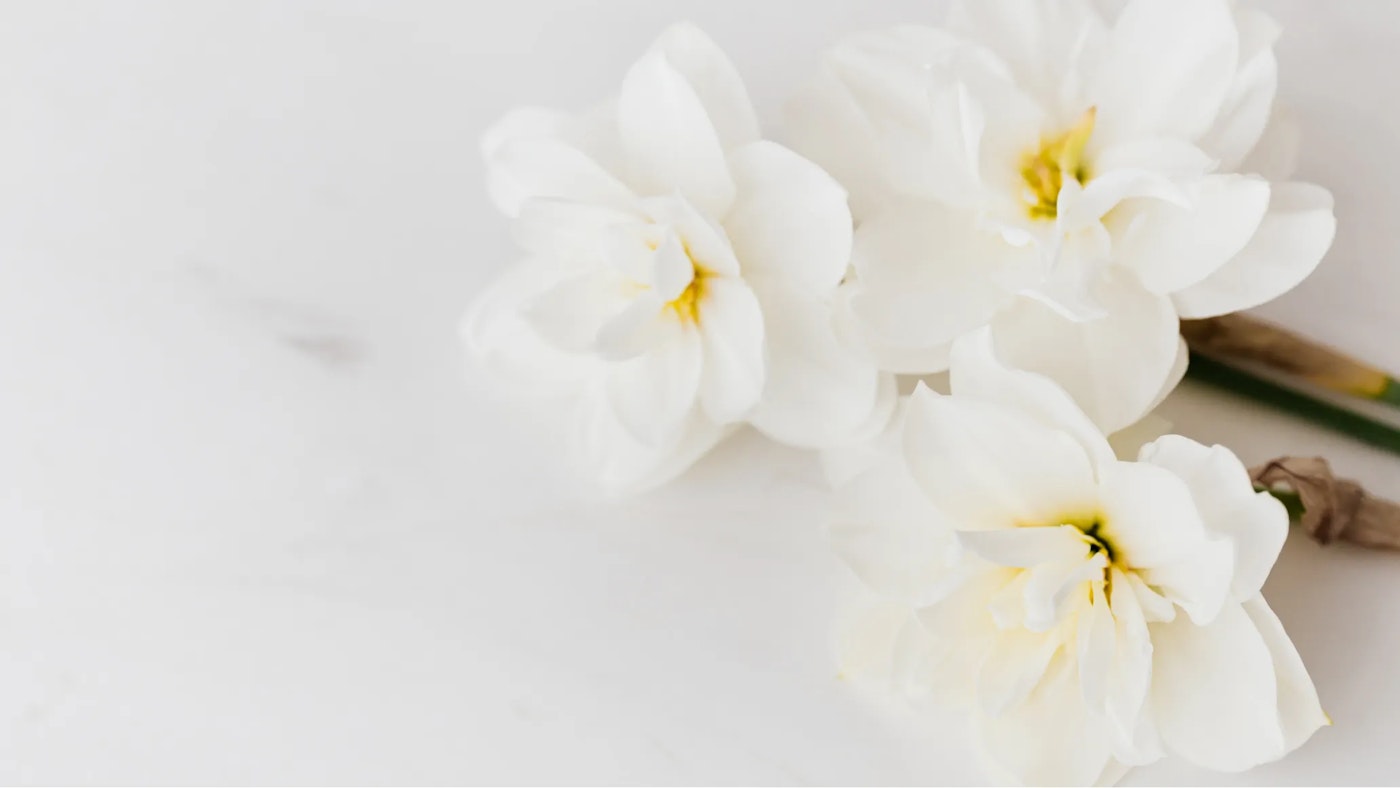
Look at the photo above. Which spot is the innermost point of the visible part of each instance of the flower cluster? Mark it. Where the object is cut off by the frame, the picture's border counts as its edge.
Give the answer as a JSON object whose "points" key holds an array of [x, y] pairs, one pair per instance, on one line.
{"points": [[1030, 197]]}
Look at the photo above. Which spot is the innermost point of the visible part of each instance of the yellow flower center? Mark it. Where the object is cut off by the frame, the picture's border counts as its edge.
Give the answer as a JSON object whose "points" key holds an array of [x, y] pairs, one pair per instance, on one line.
{"points": [[1045, 168], [1098, 542], [687, 304], [1093, 528]]}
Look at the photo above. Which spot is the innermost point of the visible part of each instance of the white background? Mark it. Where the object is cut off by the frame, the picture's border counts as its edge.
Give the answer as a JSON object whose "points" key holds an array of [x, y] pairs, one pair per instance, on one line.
{"points": [[259, 522]]}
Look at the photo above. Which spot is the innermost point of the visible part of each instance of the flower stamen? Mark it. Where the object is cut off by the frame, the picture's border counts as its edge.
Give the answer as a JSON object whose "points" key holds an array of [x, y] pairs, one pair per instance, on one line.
{"points": [[687, 304], [1045, 169], [1098, 543]]}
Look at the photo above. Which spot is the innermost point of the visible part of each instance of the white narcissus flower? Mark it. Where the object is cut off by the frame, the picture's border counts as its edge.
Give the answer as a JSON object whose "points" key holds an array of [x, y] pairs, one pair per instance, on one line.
{"points": [[679, 273], [1091, 613], [1075, 183]]}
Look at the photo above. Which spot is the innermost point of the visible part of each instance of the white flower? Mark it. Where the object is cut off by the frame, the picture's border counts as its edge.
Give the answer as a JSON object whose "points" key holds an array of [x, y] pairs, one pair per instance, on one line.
{"points": [[679, 273], [1091, 613], [1076, 184]]}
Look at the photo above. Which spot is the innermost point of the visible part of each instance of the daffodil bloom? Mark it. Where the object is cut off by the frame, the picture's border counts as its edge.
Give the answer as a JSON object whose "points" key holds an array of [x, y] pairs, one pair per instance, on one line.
{"points": [[1090, 613], [1076, 183], [679, 274]]}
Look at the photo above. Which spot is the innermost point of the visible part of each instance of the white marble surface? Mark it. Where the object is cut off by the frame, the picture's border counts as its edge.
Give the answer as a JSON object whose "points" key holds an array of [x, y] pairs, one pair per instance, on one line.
{"points": [[258, 522]]}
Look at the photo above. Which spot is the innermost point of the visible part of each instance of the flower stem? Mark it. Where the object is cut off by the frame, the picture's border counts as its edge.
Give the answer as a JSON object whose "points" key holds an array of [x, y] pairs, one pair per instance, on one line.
{"points": [[1241, 337], [1289, 498], [1390, 393], [1324, 414]]}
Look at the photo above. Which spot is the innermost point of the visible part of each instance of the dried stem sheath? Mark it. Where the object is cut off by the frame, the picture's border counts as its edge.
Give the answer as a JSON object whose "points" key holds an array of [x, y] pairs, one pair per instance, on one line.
{"points": [[1239, 337], [1332, 509]]}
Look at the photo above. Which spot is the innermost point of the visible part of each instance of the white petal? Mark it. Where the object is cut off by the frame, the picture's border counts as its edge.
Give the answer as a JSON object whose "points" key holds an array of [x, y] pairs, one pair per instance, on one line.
{"points": [[499, 338], [652, 394], [731, 325], [1171, 247], [523, 123], [671, 269], [1152, 168], [789, 221], [923, 245], [866, 634], [1174, 376], [595, 133], [960, 610], [1053, 589], [1224, 494], [824, 123], [958, 635], [524, 169], [978, 373], [1097, 641], [630, 250], [869, 443], [1214, 692], [1050, 739], [889, 534], [716, 82], [911, 361], [1026, 547], [926, 124], [821, 391], [571, 314], [1248, 104], [1013, 669], [1129, 441], [927, 274], [1200, 582], [912, 332], [704, 240], [1300, 713], [1079, 209], [1167, 70], [1130, 678], [670, 141], [1041, 42], [575, 234], [1151, 524], [1114, 771], [605, 450], [1165, 157], [1155, 607], [991, 467], [884, 68], [944, 157], [1008, 606], [1070, 286], [1114, 367], [637, 329], [1291, 240], [941, 667], [879, 419]]}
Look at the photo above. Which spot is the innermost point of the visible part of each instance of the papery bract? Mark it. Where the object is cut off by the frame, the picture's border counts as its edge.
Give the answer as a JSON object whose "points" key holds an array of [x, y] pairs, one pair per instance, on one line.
{"points": [[1090, 613], [679, 276], [1076, 184]]}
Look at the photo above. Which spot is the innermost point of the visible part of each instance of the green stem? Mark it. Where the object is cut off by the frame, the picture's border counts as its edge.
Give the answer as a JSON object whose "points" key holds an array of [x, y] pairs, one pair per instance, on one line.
{"points": [[1390, 395], [1324, 414], [1289, 498]]}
